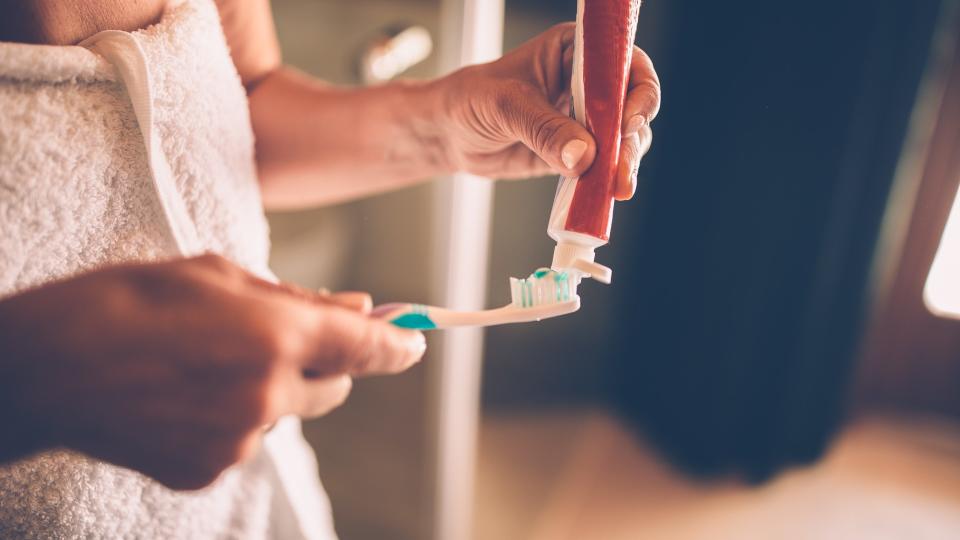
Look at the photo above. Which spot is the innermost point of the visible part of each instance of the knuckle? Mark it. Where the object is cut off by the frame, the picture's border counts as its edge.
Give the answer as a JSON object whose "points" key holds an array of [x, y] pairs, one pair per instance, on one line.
{"points": [[271, 344], [642, 56], [163, 284], [564, 30], [511, 94], [648, 86], [264, 354], [213, 260], [643, 62]]}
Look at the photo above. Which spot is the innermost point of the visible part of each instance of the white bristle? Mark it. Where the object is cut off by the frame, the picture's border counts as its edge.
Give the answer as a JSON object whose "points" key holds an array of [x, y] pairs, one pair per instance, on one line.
{"points": [[549, 288]]}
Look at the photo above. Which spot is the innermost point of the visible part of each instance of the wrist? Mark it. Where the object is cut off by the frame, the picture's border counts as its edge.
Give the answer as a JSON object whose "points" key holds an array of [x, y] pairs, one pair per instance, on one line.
{"points": [[426, 106]]}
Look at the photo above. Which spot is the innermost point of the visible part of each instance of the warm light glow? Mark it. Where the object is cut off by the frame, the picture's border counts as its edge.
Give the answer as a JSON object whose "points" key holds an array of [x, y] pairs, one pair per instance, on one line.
{"points": [[942, 291], [398, 54]]}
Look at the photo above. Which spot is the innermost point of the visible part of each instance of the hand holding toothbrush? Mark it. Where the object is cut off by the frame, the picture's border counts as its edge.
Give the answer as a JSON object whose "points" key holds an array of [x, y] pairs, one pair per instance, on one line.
{"points": [[174, 369]]}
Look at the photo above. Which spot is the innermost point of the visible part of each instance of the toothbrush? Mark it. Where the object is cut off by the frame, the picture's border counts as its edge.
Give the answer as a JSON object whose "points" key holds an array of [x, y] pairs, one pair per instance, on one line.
{"points": [[545, 294]]}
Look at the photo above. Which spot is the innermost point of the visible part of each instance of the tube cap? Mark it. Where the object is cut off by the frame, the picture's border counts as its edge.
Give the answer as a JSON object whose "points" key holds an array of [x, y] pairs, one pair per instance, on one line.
{"points": [[569, 256]]}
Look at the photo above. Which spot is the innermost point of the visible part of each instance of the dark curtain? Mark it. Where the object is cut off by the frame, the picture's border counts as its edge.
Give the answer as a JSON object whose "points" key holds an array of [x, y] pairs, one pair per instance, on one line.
{"points": [[743, 265]]}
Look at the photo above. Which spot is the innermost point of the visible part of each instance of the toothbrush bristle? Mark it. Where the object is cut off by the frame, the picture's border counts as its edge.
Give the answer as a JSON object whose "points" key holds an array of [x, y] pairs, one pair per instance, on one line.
{"points": [[543, 287]]}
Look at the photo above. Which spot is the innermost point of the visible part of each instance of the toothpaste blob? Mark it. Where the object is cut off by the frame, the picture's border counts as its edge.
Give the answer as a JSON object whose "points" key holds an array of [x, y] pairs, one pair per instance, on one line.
{"points": [[583, 207]]}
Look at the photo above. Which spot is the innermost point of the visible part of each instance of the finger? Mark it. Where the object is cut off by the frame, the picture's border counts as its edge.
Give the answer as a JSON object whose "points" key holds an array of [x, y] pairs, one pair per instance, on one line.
{"points": [[567, 39], [643, 96], [320, 396], [346, 342], [627, 166], [290, 289], [353, 300], [632, 149], [557, 139], [545, 60]]}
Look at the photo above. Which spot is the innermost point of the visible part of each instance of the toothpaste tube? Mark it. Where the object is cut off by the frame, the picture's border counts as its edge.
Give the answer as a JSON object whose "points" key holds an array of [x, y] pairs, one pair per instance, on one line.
{"points": [[583, 207]]}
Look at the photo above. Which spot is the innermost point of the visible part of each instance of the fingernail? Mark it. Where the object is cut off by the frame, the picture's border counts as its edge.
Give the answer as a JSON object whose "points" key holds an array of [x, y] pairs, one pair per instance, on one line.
{"points": [[635, 124], [572, 153]]}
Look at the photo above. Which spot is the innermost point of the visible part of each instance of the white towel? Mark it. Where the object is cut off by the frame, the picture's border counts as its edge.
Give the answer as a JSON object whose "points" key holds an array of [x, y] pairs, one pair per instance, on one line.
{"points": [[77, 193]]}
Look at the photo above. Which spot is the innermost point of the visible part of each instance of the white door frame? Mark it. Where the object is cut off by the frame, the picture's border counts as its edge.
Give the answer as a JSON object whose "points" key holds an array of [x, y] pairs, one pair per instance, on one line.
{"points": [[471, 31]]}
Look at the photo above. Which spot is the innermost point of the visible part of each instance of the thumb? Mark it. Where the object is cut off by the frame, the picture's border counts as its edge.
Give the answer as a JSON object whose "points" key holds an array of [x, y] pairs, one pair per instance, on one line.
{"points": [[352, 300], [347, 342], [559, 140]]}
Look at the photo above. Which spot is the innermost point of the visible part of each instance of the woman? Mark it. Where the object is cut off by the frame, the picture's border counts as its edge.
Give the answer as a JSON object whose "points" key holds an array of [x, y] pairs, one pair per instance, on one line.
{"points": [[144, 344]]}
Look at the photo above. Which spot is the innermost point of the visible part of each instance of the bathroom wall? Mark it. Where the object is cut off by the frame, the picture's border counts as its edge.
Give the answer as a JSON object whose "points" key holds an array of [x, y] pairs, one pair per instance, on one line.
{"points": [[372, 452]]}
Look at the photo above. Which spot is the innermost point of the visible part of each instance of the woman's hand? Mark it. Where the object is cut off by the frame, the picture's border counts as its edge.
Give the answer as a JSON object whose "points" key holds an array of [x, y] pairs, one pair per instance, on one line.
{"points": [[174, 369], [509, 118], [320, 144]]}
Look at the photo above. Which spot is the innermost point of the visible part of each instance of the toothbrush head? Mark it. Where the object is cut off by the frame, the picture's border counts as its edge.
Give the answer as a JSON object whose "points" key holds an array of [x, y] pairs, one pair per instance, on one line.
{"points": [[543, 287]]}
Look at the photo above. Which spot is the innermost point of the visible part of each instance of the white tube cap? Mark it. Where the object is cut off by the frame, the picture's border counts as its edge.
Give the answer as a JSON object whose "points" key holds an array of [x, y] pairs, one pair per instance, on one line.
{"points": [[569, 256]]}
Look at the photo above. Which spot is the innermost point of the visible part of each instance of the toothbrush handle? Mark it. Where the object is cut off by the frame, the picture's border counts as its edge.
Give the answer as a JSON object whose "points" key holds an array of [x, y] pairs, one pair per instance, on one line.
{"points": [[419, 317]]}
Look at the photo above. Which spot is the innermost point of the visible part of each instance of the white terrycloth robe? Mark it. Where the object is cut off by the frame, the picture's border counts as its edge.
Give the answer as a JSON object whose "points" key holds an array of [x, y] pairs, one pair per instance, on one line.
{"points": [[77, 193]]}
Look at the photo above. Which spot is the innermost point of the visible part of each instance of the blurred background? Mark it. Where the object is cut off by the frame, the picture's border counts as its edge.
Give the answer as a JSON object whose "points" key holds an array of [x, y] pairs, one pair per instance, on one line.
{"points": [[771, 360]]}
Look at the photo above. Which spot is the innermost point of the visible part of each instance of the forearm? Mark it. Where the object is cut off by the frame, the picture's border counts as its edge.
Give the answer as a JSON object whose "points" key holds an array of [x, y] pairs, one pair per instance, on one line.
{"points": [[320, 144]]}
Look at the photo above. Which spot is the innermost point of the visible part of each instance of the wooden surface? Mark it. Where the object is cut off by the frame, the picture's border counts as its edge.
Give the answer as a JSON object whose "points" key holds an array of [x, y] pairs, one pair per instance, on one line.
{"points": [[581, 476]]}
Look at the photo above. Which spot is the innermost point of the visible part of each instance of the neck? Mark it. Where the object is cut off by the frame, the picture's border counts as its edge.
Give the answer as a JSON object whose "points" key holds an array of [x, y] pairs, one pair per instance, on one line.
{"points": [[56, 22]]}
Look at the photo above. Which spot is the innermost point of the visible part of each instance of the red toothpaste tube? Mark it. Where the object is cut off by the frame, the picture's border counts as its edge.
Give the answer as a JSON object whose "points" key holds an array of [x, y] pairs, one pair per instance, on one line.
{"points": [[583, 207]]}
